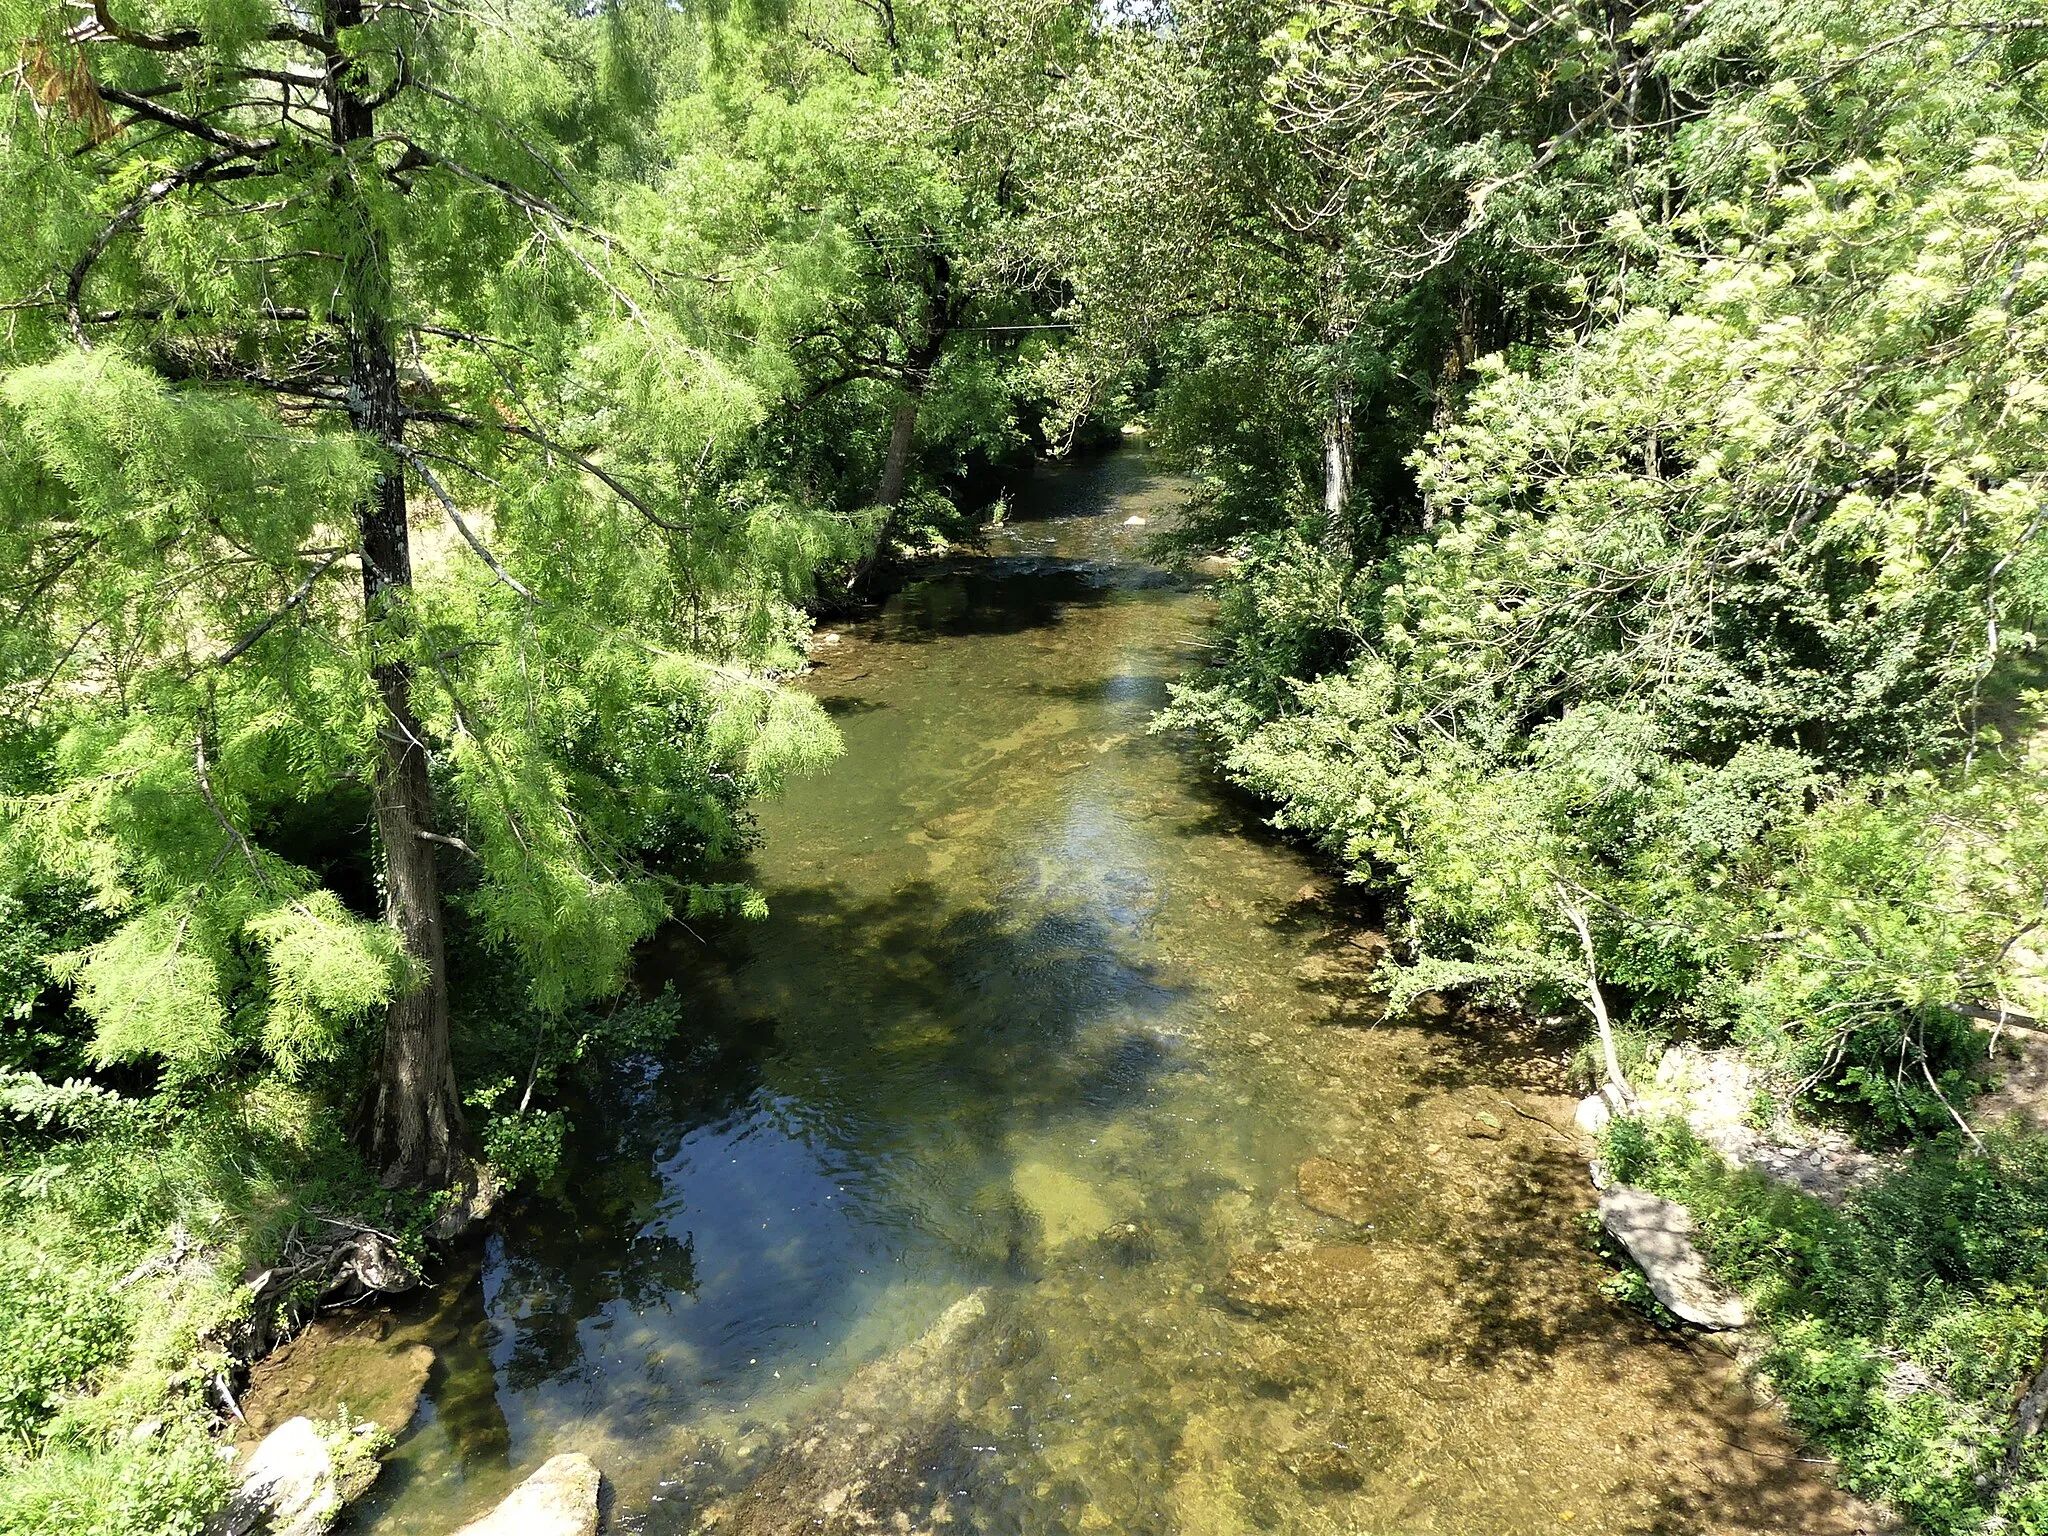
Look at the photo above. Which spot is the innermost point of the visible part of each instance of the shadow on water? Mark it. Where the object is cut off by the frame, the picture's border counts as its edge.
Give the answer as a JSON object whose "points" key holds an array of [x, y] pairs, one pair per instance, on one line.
{"points": [[862, 1073], [1007, 594]]}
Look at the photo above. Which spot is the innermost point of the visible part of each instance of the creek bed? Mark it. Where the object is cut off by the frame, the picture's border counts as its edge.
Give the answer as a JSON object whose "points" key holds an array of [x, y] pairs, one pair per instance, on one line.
{"points": [[1042, 1017]]}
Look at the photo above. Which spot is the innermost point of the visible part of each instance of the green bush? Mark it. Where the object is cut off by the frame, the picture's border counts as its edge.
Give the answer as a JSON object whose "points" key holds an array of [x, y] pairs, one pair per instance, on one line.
{"points": [[167, 1486], [1903, 1326], [525, 1146], [57, 1329]]}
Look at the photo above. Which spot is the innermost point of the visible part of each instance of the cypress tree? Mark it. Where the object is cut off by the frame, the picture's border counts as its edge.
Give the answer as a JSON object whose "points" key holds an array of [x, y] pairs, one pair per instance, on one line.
{"points": [[305, 275]]}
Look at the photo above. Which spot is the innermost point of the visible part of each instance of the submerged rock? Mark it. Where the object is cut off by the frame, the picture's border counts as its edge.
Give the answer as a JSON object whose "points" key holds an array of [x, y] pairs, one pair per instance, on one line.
{"points": [[1328, 1275], [1069, 1208], [1331, 1188], [866, 1461], [1129, 1243], [1658, 1235], [344, 1366], [1275, 1366], [558, 1500]]}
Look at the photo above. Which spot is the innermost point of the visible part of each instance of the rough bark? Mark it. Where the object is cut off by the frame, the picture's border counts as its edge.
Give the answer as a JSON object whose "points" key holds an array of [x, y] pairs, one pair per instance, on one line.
{"points": [[412, 1127]]}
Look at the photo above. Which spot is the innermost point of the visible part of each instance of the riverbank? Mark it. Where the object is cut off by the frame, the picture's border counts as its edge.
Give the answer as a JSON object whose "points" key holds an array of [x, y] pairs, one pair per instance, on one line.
{"points": [[1791, 984], [149, 1260]]}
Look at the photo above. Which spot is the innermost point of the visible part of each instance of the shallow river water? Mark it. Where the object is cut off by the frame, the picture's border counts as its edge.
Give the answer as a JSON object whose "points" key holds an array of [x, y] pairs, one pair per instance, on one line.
{"points": [[1043, 1019]]}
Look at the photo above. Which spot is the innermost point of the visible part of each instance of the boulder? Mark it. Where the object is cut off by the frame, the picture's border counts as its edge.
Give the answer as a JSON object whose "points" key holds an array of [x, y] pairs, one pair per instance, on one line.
{"points": [[558, 1500], [1592, 1115], [881, 1455], [1658, 1235], [289, 1488]]}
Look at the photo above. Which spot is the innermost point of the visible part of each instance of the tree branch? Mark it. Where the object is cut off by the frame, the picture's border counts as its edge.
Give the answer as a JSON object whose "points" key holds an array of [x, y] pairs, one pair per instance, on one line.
{"points": [[303, 591], [212, 168], [196, 128], [204, 775], [419, 467], [611, 482]]}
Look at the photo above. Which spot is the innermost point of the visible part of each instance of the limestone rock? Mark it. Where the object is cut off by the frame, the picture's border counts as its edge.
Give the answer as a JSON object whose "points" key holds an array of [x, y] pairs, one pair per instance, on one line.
{"points": [[289, 1487], [1658, 1235], [1331, 1188], [1717, 1094], [867, 1460], [558, 1500], [344, 1365], [1592, 1115]]}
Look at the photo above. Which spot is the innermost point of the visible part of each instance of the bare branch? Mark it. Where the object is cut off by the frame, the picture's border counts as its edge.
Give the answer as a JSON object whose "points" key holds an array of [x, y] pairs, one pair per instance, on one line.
{"points": [[419, 466], [299, 595], [204, 774], [184, 123], [611, 482]]}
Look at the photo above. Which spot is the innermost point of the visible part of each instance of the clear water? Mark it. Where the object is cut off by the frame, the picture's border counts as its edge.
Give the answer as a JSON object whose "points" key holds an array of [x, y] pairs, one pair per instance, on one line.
{"points": [[1041, 1013]]}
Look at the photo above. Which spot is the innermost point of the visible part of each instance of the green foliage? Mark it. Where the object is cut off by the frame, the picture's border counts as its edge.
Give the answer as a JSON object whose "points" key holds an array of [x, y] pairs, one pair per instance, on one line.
{"points": [[525, 1147], [57, 1329], [163, 1487], [1701, 599], [123, 1245]]}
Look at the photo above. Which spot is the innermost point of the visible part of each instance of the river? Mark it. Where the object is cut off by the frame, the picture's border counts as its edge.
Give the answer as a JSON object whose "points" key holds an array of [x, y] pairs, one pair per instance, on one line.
{"points": [[1040, 1015]]}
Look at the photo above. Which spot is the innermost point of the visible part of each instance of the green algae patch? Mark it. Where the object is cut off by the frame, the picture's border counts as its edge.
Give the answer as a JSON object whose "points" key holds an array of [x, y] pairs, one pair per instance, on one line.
{"points": [[1068, 1208]]}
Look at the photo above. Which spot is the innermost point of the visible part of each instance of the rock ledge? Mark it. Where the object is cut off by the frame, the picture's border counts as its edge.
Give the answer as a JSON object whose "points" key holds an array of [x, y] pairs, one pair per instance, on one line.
{"points": [[1658, 1235], [558, 1500]]}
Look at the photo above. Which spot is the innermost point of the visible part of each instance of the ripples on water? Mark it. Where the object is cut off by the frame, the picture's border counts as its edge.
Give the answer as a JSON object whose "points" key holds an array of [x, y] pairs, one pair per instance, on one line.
{"points": [[1038, 1011]]}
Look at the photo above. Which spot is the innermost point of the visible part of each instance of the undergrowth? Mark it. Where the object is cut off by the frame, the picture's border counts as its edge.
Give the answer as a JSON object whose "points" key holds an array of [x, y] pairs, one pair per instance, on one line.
{"points": [[123, 1256], [1903, 1327]]}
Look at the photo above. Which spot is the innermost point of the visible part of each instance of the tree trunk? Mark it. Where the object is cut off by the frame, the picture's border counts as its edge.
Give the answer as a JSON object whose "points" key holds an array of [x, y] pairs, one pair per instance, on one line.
{"points": [[1337, 455], [1622, 1096], [412, 1128], [896, 463], [896, 466]]}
